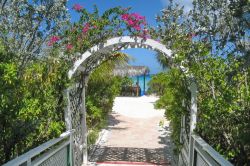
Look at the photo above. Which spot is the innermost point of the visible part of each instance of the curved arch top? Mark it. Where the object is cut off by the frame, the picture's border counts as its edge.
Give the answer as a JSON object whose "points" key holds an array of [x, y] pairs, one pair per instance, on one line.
{"points": [[137, 41]]}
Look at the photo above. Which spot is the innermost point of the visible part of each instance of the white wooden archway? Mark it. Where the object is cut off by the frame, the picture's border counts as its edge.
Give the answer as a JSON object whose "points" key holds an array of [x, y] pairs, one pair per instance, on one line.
{"points": [[76, 112], [130, 42]]}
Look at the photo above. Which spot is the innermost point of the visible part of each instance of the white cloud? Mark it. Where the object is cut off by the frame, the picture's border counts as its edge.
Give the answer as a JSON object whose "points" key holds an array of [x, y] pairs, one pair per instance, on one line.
{"points": [[186, 3]]}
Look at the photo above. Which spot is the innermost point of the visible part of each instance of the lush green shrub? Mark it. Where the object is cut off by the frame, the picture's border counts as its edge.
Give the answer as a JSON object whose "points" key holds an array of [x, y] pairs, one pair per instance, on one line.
{"points": [[31, 105], [213, 48], [102, 89], [126, 82], [158, 84]]}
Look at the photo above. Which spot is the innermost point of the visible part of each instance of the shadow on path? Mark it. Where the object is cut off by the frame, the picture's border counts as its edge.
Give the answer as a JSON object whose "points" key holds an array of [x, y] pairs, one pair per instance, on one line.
{"points": [[124, 154]]}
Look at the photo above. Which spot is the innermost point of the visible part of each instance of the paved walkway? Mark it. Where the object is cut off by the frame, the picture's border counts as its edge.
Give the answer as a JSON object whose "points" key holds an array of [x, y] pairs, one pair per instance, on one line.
{"points": [[133, 136]]}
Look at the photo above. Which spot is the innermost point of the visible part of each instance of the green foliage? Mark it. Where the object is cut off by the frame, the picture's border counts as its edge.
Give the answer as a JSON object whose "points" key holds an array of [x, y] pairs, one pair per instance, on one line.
{"points": [[92, 136], [211, 45], [158, 84], [103, 87], [224, 99], [25, 25], [31, 107], [126, 82]]}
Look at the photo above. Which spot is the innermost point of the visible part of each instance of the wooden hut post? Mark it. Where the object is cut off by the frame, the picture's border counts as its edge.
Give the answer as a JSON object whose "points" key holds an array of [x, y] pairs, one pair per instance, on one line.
{"points": [[144, 84], [137, 86]]}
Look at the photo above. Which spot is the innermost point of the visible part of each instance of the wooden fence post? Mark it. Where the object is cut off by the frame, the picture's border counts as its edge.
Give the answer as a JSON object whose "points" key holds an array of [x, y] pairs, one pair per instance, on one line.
{"points": [[193, 116]]}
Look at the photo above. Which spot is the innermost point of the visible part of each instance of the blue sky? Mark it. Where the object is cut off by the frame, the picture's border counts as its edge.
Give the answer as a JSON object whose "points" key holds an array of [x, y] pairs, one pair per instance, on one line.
{"points": [[148, 8]]}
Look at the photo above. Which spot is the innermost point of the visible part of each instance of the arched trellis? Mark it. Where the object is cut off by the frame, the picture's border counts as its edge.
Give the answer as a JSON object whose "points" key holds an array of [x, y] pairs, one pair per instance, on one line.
{"points": [[76, 112], [124, 42]]}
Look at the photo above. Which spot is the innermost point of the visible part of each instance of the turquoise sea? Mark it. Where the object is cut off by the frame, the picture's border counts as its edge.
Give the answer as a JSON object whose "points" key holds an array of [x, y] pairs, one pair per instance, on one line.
{"points": [[141, 80]]}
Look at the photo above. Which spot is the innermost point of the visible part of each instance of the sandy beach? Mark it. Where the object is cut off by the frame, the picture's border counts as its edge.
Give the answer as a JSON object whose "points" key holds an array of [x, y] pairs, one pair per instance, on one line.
{"points": [[133, 135]]}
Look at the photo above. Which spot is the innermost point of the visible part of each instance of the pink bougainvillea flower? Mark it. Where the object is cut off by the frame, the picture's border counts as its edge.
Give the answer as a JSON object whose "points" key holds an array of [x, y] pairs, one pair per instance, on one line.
{"points": [[77, 7], [137, 27], [94, 26], [69, 46], [86, 28], [125, 16], [131, 22], [50, 43], [135, 15], [134, 20], [138, 16], [142, 17], [53, 40]]}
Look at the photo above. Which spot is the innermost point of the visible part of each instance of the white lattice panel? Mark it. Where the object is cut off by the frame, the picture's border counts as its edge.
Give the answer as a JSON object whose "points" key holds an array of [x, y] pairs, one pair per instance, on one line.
{"points": [[58, 159], [75, 113], [200, 161]]}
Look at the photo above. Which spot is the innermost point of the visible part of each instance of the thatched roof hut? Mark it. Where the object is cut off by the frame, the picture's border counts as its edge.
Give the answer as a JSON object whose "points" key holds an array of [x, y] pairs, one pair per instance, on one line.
{"points": [[130, 71]]}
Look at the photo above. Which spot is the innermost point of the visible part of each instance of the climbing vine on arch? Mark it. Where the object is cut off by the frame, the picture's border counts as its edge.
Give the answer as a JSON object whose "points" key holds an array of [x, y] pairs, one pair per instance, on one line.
{"points": [[95, 28]]}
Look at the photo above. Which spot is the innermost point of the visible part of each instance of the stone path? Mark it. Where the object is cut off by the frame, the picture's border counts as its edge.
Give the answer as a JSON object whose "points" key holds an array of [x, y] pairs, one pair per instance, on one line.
{"points": [[133, 136]]}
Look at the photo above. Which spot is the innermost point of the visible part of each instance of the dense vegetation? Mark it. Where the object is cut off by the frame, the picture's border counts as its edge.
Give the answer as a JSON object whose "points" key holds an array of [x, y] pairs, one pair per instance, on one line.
{"points": [[31, 105], [212, 42]]}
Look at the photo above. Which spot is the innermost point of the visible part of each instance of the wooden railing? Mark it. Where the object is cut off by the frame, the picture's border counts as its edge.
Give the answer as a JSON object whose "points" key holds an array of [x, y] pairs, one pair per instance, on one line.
{"points": [[201, 153], [204, 154]]}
